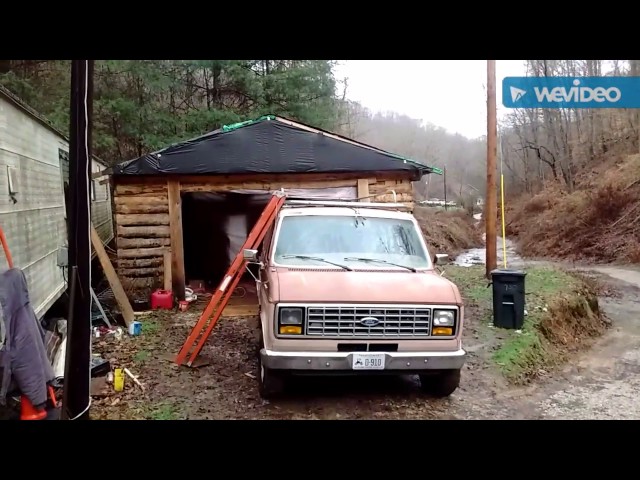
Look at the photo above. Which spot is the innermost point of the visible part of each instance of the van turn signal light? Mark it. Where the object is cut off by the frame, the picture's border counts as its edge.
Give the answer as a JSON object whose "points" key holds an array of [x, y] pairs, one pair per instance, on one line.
{"points": [[290, 330], [442, 331]]}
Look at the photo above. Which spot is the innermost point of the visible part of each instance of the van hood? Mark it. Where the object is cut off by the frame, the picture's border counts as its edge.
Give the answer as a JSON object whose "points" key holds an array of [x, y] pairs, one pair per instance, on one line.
{"points": [[390, 286]]}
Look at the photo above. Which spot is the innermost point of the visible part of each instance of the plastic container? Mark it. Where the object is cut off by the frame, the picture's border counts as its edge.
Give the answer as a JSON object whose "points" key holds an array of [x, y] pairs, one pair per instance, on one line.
{"points": [[508, 298], [162, 299], [135, 328], [118, 380]]}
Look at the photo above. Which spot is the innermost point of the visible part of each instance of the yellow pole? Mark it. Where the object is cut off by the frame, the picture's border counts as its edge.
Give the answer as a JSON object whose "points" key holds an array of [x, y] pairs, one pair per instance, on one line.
{"points": [[504, 228]]}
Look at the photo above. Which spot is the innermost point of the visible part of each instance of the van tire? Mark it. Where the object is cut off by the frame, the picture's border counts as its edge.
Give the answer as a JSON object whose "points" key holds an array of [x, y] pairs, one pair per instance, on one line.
{"points": [[441, 384], [271, 383]]}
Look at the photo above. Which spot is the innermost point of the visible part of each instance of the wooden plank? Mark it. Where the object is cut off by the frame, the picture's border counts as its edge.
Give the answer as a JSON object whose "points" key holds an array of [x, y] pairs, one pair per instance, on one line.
{"points": [[124, 243], [363, 190], [112, 278], [399, 198], [138, 200], [177, 249], [139, 262], [399, 188], [128, 208], [143, 283], [140, 252], [266, 186], [153, 193], [157, 231], [140, 272], [142, 219], [167, 270], [137, 189]]}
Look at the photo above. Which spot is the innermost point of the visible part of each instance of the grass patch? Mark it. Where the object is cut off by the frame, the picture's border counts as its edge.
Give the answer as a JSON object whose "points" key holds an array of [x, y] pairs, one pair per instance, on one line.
{"points": [[141, 356], [162, 411], [150, 326], [562, 315]]}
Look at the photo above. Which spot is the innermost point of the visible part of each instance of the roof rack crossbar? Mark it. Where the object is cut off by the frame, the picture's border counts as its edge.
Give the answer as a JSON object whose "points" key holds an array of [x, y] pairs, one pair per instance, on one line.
{"points": [[347, 203]]}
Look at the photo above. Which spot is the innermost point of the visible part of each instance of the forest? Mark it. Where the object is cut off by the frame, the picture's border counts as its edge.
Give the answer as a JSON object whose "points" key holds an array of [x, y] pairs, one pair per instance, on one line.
{"points": [[143, 105], [572, 176]]}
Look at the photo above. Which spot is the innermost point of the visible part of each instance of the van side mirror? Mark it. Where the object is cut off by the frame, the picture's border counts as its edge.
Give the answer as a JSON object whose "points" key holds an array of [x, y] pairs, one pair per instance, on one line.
{"points": [[440, 259], [250, 255]]}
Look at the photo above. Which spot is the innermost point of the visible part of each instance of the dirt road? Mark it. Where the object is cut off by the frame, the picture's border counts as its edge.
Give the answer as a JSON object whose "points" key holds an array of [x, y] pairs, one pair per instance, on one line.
{"points": [[601, 383], [605, 382]]}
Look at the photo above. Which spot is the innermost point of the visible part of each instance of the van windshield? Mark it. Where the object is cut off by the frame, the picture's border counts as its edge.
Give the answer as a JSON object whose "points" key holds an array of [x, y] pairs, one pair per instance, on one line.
{"points": [[354, 241]]}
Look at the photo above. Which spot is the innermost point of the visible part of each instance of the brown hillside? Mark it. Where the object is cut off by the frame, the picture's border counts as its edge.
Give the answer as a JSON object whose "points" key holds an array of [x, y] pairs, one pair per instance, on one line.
{"points": [[448, 232], [599, 221]]}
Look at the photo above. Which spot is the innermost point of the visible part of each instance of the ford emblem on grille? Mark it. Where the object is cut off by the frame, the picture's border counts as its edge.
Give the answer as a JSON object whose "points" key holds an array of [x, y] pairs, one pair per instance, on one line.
{"points": [[369, 321]]}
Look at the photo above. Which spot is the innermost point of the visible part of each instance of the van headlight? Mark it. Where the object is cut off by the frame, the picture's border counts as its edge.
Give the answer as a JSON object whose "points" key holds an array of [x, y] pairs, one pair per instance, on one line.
{"points": [[290, 320], [444, 322]]}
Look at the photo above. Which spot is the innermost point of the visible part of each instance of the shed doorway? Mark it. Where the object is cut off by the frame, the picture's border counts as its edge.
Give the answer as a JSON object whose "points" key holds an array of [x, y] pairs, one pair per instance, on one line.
{"points": [[214, 228]]}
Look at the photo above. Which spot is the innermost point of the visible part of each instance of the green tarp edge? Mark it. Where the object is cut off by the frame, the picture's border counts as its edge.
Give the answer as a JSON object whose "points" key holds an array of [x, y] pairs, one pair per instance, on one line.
{"points": [[235, 126]]}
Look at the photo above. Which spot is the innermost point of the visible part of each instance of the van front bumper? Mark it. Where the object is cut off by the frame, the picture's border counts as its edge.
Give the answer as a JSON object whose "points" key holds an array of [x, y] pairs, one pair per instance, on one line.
{"points": [[342, 361]]}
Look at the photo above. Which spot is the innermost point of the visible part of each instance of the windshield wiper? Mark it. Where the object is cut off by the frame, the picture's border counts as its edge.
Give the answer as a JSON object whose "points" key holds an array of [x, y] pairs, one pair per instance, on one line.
{"points": [[376, 260], [317, 259]]}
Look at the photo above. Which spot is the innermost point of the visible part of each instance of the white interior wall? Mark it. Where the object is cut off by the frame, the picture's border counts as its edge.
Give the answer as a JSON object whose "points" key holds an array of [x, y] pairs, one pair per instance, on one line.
{"points": [[236, 226]]}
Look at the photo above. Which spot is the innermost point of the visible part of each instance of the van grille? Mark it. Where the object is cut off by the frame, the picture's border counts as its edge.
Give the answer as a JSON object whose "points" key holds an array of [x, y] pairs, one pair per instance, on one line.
{"points": [[351, 321]]}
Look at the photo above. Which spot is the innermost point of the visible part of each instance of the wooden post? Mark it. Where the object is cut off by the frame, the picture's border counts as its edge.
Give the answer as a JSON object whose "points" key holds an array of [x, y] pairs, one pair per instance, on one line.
{"points": [[363, 190], [167, 270], [112, 278], [491, 202], [175, 232]]}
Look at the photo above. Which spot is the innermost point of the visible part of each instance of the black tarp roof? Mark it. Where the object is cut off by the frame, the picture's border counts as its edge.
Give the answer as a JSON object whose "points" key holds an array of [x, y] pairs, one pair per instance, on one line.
{"points": [[269, 144]]}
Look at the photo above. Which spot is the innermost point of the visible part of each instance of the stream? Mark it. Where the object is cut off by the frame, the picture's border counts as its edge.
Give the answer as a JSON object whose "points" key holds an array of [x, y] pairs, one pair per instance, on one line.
{"points": [[477, 256]]}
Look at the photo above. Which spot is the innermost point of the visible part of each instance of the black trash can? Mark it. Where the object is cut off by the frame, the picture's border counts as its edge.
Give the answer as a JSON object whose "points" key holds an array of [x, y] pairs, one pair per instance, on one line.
{"points": [[508, 298]]}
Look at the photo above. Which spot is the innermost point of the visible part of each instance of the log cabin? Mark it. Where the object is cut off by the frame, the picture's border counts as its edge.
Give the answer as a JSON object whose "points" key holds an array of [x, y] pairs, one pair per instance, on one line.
{"points": [[196, 201]]}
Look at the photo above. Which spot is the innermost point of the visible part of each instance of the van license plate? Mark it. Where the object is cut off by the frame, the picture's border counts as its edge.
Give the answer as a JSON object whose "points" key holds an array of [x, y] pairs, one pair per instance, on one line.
{"points": [[368, 361]]}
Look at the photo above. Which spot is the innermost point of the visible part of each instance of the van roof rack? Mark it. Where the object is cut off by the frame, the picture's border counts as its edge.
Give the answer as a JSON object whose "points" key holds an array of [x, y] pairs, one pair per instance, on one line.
{"points": [[344, 203]]}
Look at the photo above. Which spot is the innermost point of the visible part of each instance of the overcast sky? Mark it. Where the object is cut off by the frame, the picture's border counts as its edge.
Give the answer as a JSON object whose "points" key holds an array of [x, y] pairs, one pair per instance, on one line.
{"points": [[447, 93]]}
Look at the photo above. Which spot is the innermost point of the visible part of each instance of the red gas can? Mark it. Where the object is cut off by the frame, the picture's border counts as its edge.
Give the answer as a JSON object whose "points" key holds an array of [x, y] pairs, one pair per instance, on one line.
{"points": [[162, 299]]}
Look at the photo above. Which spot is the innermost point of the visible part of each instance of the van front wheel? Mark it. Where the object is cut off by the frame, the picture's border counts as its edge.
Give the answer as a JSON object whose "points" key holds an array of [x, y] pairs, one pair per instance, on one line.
{"points": [[270, 382], [441, 384]]}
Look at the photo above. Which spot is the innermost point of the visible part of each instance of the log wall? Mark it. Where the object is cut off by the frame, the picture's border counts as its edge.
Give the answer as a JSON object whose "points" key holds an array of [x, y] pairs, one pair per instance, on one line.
{"points": [[142, 234], [143, 230]]}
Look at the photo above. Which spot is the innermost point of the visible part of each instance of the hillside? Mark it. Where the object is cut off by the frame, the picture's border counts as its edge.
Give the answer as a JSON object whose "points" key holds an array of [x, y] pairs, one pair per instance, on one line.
{"points": [[599, 221], [448, 232], [573, 175]]}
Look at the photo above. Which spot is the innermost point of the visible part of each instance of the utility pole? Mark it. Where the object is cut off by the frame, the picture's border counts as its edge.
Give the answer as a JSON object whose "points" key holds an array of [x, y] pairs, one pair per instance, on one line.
{"points": [[491, 201], [76, 398]]}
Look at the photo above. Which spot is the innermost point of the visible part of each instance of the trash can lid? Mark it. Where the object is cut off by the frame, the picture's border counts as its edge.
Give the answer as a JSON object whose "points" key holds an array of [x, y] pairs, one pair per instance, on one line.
{"points": [[506, 271]]}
